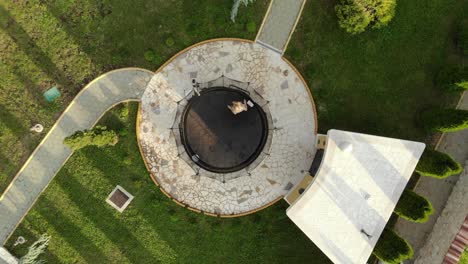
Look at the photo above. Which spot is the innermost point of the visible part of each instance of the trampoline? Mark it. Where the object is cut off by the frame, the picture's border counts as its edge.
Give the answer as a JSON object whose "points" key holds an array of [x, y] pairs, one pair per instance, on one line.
{"points": [[215, 138]]}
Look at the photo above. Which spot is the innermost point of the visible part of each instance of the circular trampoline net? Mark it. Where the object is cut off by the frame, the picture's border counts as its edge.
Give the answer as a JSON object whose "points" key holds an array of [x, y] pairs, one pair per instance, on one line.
{"points": [[223, 128]]}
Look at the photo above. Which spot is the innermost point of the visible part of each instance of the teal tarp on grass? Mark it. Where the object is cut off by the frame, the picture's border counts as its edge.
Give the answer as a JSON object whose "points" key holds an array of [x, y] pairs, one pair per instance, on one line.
{"points": [[52, 94]]}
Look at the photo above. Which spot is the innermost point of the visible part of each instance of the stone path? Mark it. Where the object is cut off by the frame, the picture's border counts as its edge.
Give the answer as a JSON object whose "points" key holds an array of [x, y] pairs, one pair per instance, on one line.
{"points": [[279, 23], [82, 113], [437, 191]]}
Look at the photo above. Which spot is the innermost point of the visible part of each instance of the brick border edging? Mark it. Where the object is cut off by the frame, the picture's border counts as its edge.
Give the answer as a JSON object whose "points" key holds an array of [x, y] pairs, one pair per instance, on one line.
{"points": [[153, 178], [458, 245]]}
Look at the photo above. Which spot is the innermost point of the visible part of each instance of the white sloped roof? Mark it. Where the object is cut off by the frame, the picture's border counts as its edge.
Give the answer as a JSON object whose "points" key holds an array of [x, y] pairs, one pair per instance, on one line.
{"points": [[360, 180]]}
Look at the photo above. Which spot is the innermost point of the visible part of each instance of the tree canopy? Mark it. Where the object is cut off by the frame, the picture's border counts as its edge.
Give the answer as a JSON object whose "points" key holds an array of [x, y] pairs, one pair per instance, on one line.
{"points": [[355, 16], [98, 136]]}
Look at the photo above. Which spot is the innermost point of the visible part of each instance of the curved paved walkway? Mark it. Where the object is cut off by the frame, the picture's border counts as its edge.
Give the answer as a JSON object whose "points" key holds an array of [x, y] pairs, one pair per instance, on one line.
{"points": [[83, 112]]}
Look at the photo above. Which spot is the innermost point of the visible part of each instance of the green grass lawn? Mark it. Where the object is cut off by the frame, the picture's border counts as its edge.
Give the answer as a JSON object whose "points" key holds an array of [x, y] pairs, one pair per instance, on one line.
{"points": [[376, 82], [464, 257], [70, 42], [85, 229]]}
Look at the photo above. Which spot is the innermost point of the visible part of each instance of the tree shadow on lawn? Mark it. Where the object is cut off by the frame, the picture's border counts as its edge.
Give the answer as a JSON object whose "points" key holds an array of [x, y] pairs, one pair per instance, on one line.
{"points": [[31, 49], [114, 167], [13, 123], [87, 249], [89, 40], [186, 22], [171, 220], [7, 169], [33, 89], [97, 211]]}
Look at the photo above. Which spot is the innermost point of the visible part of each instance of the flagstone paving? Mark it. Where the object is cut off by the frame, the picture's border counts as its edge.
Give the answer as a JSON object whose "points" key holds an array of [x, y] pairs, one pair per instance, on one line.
{"points": [[83, 112], [293, 133]]}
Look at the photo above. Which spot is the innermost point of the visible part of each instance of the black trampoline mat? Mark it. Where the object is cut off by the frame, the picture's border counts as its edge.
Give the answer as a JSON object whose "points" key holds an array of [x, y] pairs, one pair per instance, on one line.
{"points": [[223, 142]]}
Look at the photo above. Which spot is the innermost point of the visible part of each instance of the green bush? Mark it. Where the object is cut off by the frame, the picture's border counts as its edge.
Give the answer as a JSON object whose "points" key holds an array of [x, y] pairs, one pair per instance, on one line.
{"points": [[391, 248], [443, 120], [355, 16], [150, 55], [413, 207], [437, 164], [98, 136], [453, 78], [251, 26], [462, 36], [170, 42]]}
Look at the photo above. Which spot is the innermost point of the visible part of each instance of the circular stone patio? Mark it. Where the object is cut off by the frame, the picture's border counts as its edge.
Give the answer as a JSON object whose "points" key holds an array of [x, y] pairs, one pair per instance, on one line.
{"points": [[273, 84]]}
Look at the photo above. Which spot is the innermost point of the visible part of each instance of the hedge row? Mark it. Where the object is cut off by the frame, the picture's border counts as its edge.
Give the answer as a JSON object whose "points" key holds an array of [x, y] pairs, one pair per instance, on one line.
{"points": [[444, 120], [98, 136], [391, 248], [413, 207], [437, 164]]}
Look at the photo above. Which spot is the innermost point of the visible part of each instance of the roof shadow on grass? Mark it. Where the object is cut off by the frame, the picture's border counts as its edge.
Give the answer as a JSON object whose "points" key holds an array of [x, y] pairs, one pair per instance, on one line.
{"points": [[31, 49], [97, 211]]}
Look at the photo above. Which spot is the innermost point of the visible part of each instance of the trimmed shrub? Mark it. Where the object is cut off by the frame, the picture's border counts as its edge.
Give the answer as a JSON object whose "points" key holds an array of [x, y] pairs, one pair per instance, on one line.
{"points": [[251, 26], [437, 164], [355, 16], [413, 207], [170, 42], [98, 136], [352, 17], [391, 248], [150, 55], [444, 120], [462, 36], [453, 78]]}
